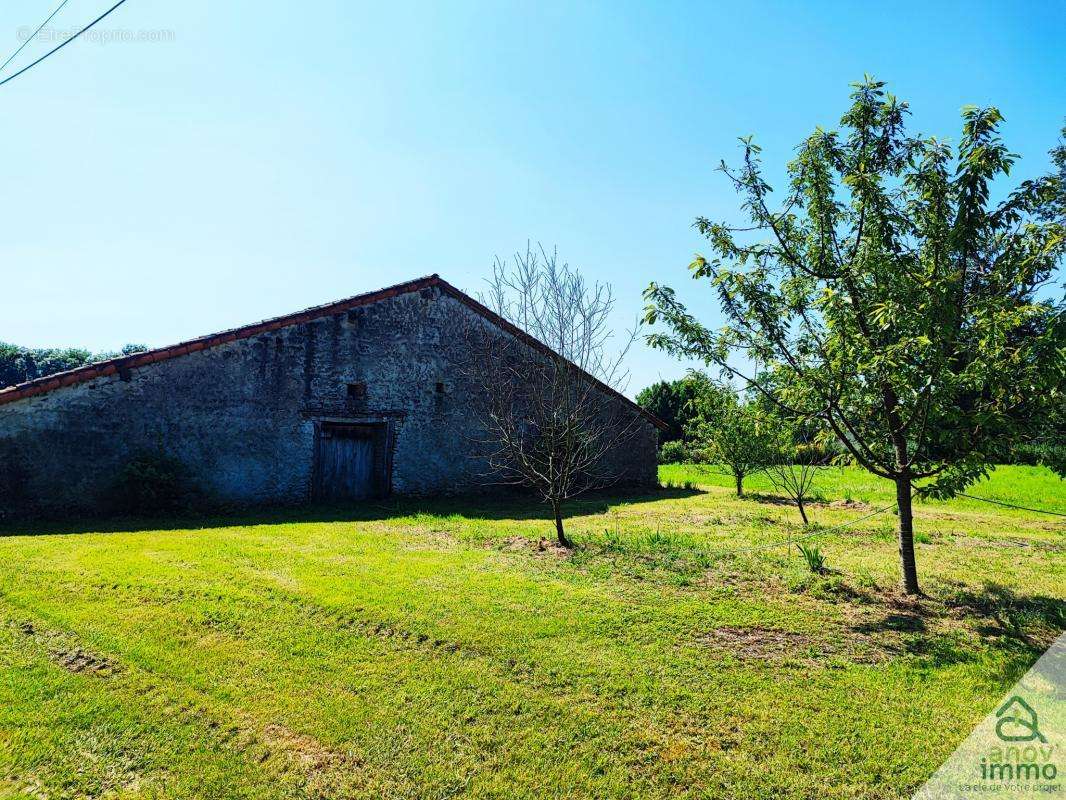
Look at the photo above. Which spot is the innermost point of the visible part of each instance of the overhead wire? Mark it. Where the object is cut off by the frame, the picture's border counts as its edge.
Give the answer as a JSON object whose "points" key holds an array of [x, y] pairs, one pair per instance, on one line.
{"points": [[33, 36], [65, 42]]}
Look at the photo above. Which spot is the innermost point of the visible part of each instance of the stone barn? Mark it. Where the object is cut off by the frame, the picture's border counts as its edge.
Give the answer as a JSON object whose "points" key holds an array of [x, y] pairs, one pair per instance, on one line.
{"points": [[355, 399]]}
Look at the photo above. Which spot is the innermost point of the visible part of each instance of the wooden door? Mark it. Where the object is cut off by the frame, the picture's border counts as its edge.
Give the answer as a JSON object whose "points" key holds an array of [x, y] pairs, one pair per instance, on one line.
{"points": [[345, 463]]}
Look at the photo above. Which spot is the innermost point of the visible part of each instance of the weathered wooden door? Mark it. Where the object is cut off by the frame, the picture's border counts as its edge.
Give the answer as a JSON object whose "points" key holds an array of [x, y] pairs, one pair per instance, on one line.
{"points": [[345, 463]]}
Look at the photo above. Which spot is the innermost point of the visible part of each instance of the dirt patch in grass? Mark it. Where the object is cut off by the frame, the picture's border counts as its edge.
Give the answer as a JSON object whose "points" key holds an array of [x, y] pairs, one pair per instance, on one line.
{"points": [[382, 630], [873, 628], [324, 772], [755, 643], [27, 786], [71, 657], [78, 660], [953, 626], [541, 546], [776, 646], [305, 751], [871, 639], [851, 505]]}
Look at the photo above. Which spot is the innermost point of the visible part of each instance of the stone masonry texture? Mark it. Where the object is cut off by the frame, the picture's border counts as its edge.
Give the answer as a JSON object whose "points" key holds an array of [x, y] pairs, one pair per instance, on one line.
{"points": [[242, 416]]}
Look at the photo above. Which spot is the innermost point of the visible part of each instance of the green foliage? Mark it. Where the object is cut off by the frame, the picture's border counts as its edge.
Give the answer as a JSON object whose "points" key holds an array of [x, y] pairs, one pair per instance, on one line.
{"points": [[813, 453], [889, 297], [1052, 456], [675, 402], [152, 482], [687, 486], [731, 433], [21, 364], [675, 452], [814, 558]]}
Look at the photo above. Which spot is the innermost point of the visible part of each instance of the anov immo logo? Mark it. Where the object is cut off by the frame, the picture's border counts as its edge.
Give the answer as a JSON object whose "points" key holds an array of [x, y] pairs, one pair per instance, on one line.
{"points": [[1017, 750]]}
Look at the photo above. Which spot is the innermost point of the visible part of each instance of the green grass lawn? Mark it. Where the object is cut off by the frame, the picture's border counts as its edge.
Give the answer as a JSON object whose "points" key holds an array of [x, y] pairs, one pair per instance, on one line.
{"points": [[435, 649]]}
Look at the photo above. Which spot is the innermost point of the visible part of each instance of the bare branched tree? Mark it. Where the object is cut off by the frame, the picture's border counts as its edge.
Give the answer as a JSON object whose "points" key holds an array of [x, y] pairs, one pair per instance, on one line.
{"points": [[552, 418], [795, 465], [796, 480]]}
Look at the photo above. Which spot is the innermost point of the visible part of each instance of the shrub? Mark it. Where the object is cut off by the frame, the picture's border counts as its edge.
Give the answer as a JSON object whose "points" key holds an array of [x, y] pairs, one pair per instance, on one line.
{"points": [[151, 482], [814, 557], [685, 486], [676, 452]]}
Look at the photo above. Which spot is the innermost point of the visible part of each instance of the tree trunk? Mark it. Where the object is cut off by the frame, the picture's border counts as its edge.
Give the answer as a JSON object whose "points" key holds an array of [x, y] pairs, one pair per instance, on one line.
{"points": [[565, 542], [906, 536], [803, 513], [740, 483]]}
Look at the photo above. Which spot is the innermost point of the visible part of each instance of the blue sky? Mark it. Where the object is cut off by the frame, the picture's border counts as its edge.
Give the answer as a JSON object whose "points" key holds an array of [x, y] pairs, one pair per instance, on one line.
{"points": [[271, 156]]}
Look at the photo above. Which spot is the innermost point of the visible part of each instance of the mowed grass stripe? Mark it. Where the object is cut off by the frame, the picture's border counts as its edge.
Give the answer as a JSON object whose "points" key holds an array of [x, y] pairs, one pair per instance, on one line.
{"points": [[417, 653], [177, 612]]}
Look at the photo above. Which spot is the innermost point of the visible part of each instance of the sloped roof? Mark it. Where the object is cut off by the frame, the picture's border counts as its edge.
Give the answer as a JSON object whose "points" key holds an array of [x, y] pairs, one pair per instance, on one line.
{"points": [[123, 364]]}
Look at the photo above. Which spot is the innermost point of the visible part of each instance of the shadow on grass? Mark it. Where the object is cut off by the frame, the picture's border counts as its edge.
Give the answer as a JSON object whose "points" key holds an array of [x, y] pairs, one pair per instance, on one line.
{"points": [[1001, 612], [769, 499], [500, 505], [900, 623], [1021, 627]]}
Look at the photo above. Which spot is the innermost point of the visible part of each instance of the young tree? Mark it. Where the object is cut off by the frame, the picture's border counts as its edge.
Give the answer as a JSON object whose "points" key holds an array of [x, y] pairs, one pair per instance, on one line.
{"points": [[792, 470], [552, 419], [890, 297], [733, 435]]}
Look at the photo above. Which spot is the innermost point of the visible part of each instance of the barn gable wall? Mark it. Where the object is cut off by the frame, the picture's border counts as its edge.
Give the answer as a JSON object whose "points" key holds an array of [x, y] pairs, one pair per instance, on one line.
{"points": [[241, 416]]}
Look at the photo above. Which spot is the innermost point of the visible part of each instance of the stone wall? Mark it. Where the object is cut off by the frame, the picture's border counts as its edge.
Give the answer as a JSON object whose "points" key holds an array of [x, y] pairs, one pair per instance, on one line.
{"points": [[241, 416]]}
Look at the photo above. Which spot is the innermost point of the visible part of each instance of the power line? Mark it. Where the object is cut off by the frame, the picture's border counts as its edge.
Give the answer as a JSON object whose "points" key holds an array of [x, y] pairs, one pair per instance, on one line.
{"points": [[1011, 505], [33, 36], [819, 532], [64, 44]]}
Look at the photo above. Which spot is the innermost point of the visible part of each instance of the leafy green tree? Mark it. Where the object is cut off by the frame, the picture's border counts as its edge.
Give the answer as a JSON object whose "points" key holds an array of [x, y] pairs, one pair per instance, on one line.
{"points": [[21, 364], [890, 298], [732, 434], [1058, 158], [674, 401]]}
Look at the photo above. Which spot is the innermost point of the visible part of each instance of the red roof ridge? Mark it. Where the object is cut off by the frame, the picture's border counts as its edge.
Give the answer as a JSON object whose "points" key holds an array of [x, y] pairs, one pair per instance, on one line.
{"points": [[122, 364]]}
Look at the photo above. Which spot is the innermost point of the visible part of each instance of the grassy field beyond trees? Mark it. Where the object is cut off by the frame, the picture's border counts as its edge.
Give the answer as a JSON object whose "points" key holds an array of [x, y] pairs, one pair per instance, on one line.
{"points": [[418, 649]]}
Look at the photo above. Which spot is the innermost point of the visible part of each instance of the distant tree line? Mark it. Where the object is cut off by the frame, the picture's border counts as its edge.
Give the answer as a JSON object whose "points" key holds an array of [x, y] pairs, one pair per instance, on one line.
{"points": [[20, 364], [676, 403], [711, 423]]}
